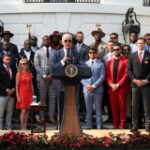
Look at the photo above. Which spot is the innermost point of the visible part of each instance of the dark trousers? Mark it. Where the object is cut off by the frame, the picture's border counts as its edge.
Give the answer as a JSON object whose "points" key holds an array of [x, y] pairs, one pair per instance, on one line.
{"points": [[138, 94], [60, 105]]}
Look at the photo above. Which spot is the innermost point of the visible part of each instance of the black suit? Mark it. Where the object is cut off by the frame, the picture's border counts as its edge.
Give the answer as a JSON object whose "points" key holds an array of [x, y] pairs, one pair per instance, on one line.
{"points": [[13, 48], [5, 81], [6, 101], [140, 72]]}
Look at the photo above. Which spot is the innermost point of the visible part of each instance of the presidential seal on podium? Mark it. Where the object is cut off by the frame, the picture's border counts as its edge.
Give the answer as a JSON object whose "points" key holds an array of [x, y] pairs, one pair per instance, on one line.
{"points": [[71, 70]]}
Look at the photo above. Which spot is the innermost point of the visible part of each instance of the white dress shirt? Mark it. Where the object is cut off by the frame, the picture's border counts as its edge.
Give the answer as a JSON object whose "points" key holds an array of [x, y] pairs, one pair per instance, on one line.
{"points": [[28, 54]]}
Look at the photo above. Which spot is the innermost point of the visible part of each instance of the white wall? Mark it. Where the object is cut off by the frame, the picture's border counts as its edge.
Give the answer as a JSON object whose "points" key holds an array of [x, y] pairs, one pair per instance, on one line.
{"points": [[45, 18]]}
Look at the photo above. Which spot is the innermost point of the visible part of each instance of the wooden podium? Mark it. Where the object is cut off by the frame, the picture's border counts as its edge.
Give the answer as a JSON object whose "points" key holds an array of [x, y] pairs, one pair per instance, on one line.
{"points": [[70, 119], [70, 75]]}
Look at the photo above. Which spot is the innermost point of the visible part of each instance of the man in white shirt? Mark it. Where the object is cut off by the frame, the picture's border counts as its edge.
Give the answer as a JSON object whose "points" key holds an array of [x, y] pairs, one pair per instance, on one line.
{"points": [[139, 73], [110, 54]]}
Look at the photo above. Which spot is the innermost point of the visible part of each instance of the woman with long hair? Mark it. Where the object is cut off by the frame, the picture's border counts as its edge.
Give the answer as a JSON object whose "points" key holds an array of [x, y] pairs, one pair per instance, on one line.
{"points": [[24, 91]]}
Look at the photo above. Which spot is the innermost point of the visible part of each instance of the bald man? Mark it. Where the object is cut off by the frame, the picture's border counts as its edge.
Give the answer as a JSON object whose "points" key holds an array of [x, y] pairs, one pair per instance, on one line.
{"points": [[60, 59]]}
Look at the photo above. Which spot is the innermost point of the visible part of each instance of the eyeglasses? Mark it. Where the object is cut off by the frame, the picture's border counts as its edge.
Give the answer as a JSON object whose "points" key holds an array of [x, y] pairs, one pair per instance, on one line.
{"points": [[147, 39], [92, 52], [69, 41], [116, 49], [24, 64], [114, 37], [126, 49]]}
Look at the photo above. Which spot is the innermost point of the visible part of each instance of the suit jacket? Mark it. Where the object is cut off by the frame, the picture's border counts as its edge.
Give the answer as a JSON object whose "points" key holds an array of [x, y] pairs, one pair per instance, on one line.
{"points": [[13, 48], [42, 64], [83, 52], [122, 75], [56, 62], [59, 55], [137, 70], [31, 60], [5, 81], [101, 49], [98, 76]]}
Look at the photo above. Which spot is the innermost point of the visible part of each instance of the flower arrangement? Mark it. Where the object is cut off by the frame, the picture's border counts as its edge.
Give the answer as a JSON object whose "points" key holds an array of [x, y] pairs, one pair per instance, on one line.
{"points": [[12, 140]]}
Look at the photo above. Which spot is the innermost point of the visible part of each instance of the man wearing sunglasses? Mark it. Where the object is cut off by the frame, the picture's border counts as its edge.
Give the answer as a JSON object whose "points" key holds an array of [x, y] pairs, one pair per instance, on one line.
{"points": [[147, 41], [114, 37], [118, 82], [93, 88], [61, 58]]}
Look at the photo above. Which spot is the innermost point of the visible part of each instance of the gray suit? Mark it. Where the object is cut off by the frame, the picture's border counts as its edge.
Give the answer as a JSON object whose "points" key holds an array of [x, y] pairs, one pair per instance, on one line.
{"points": [[98, 76], [83, 51], [43, 67]]}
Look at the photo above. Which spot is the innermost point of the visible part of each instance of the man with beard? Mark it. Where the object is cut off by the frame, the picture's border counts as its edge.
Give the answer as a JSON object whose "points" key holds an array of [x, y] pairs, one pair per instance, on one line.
{"points": [[81, 47], [118, 82], [133, 41], [56, 41], [99, 44]]}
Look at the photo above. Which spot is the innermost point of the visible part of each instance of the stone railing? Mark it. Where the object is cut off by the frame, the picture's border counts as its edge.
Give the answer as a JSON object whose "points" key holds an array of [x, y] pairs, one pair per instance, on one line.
{"points": [[62, 1]]}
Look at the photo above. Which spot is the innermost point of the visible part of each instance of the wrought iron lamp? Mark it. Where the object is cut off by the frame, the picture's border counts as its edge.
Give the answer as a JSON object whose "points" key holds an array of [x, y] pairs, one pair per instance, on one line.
{"points": [[130, 24]]}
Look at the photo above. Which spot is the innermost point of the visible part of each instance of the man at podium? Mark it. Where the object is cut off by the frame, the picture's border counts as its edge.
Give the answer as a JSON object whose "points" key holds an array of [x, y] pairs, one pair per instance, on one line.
{"points": [[61, 58]]}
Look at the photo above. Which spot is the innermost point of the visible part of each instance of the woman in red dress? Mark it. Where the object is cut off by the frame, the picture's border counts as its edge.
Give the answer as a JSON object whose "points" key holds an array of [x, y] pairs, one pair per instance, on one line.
{"points": [[24, 91]]}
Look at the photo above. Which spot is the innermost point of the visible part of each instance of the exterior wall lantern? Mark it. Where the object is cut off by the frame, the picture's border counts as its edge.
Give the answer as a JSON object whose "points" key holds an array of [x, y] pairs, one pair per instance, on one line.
{"points": [[130, 24]]}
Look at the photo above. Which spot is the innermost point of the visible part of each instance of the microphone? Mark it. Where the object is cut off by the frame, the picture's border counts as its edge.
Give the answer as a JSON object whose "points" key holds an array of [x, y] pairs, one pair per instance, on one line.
{"points": [[68, 55]]}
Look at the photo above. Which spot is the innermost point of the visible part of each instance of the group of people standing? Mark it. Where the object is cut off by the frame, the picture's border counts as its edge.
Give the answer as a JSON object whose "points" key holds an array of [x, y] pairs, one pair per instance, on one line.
{"points": [[115, 66]]}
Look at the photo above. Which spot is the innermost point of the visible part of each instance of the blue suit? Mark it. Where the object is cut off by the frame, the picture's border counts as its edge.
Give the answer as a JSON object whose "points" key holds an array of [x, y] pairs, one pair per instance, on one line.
{"points": [[58, 86], [98, 76]]}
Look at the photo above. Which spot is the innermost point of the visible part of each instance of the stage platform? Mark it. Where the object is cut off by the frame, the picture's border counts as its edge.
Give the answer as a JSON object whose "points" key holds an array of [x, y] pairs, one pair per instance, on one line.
{"points": [[95, 133]]}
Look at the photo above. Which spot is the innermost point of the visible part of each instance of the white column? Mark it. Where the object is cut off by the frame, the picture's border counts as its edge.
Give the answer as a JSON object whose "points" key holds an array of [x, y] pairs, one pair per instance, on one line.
{"points": [[125, 2], [11, 1]]}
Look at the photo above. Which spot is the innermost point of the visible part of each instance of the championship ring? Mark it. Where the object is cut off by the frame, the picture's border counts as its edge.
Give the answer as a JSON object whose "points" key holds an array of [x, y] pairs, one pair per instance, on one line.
{"points": [[71, 70]]}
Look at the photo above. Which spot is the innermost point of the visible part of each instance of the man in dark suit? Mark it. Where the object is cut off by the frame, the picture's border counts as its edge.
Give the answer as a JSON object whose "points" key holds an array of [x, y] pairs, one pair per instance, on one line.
{"points": [[61, 58], [7, 88], [6, 50], [139, 72], [81, 47], [7, 35]]}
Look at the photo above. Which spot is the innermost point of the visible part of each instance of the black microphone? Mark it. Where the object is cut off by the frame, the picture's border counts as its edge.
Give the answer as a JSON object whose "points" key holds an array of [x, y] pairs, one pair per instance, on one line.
{"points": [[68, 55]]}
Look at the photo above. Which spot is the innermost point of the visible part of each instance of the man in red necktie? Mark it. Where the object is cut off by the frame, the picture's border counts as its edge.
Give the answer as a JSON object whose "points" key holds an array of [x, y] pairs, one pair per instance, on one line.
{"points": [[139, 72], [7, 87]]}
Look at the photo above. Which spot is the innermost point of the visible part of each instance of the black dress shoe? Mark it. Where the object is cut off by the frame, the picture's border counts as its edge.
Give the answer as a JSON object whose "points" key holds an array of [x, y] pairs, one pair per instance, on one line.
{"points": [[147, 129], [134, 129]]}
